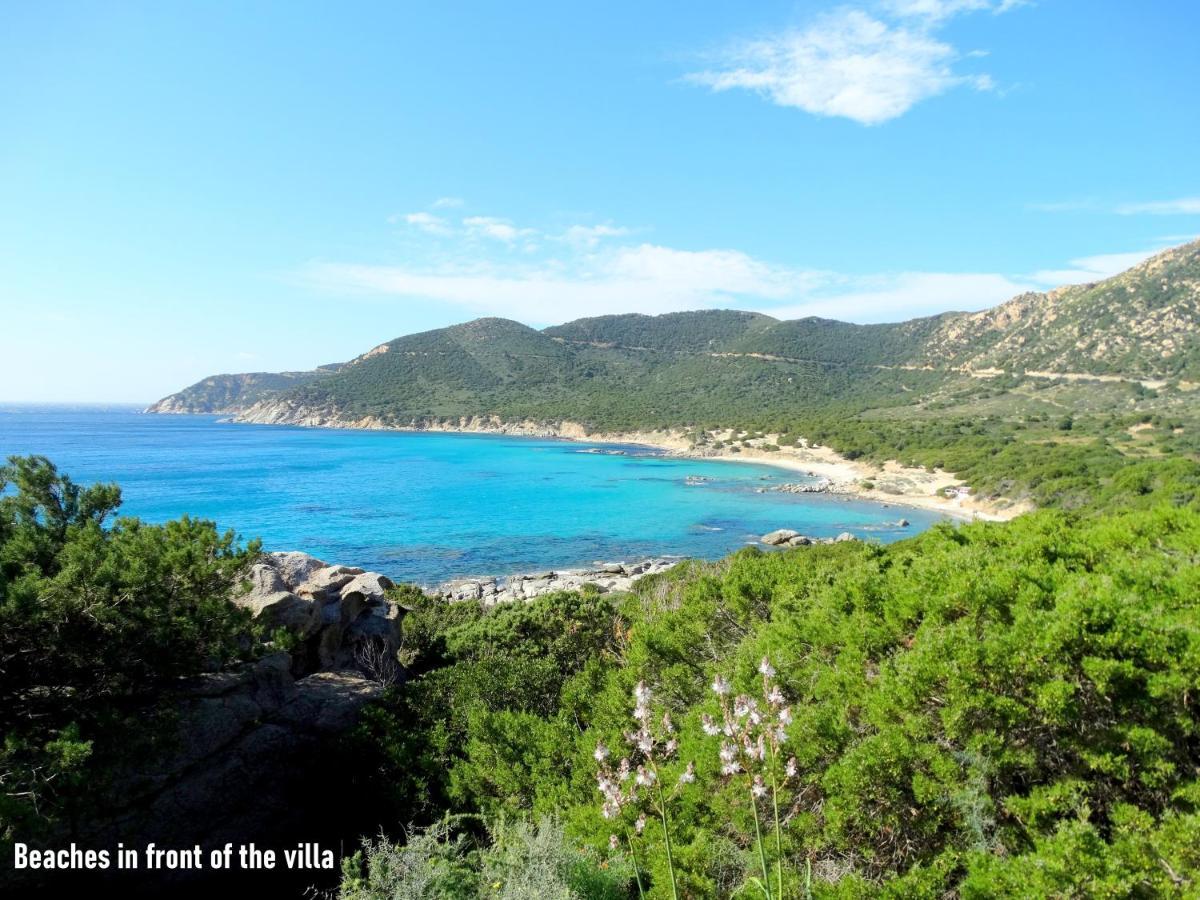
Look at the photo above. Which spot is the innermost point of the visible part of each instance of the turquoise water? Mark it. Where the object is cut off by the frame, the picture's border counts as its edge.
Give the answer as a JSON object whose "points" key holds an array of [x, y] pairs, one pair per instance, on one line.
{"points": [[427, 507]]}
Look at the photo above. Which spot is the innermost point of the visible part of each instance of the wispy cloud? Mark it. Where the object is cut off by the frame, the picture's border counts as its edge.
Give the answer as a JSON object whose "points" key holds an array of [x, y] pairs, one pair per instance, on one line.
{"points": [[854, 64], [496, 229], [591, 235], [1093, 268], [939, 10], [1184, 206], [447, 202], [424, 221], [587, 270]]}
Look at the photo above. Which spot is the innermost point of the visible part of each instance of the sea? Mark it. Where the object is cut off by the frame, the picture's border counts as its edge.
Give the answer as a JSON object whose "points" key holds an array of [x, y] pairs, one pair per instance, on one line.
{"points": [[429, 507]]}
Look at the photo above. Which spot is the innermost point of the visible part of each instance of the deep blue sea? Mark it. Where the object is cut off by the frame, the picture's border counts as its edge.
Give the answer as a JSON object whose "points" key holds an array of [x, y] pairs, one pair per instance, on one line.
{"points": [[428, 507]]}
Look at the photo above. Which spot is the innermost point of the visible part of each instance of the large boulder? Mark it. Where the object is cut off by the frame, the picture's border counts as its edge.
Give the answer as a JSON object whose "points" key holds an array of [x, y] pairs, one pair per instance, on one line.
{"points": [[779, 537], [293, 566], [341, 614]]}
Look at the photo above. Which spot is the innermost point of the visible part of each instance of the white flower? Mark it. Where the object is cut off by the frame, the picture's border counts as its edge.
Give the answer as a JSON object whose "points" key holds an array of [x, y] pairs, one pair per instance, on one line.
{"points": [[641, 693], [623, 769], [728, 753], [791, 768], [785, 715], [775, 697], [645, 777], [721, 686], [600, 753], [640, 824], [766, 669], [689, 774], [758, 789], [780, 735], [742, 706], [641, 712], [710, 727], [645, 742], [670, 748], [609, 810], [731, 768], [613, 843], [668, 725]]}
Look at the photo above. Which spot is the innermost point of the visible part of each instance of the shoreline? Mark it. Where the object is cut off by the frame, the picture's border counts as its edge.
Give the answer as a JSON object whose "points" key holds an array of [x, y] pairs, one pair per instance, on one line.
{"points": [[891, 483]]}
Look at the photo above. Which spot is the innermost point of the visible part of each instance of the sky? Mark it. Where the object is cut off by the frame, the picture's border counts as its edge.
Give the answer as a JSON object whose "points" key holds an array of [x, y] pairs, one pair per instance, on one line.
{"points": [[189, 188]]}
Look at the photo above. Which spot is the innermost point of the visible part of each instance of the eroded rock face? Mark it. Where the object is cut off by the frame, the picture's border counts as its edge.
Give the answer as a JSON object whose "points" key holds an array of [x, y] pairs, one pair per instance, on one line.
{"points": [[336, 611]]}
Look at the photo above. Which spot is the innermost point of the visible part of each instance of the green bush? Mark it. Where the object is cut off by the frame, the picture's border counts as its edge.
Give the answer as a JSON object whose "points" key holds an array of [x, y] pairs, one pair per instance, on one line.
{"points": [[95, 619]]}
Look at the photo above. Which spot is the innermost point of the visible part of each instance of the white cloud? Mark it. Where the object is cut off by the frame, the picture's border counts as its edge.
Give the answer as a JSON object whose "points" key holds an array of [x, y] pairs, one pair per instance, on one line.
{"points": [[492, 267], [591, 235], [426, 222], [1184, 206], [496, 229], [938, 10], [644, 278], [847, 64], [1092, 268], [446, 202]]}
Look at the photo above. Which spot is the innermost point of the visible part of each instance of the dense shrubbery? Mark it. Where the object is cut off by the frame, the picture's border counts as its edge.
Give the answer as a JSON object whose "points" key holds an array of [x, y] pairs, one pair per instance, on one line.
{"points": [[986, 709], [94, 620]]}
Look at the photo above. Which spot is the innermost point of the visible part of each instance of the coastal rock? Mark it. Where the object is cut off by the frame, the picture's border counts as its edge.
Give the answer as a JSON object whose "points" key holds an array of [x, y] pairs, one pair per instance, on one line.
{"points": [[339, 613], [903, 523], [843, 537], [799, 540], [606, 577], [779, 537], [293, 566]]}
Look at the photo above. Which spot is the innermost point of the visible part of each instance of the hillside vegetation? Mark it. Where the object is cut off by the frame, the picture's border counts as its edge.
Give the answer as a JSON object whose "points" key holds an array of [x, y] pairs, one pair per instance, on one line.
{"points": [[993, 710]]}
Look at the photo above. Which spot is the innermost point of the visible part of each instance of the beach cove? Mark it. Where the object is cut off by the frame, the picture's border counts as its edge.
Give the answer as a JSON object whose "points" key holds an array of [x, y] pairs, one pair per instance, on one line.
{"points": [[426, 507]]}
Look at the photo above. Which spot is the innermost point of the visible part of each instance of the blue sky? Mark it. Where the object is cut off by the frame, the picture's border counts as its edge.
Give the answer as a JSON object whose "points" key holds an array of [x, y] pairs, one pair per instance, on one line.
{"points": [[189, 188]]}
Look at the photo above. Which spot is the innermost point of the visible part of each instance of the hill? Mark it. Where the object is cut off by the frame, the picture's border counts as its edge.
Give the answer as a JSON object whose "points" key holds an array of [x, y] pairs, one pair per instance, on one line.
{"points": [[1040, 393], [228, 394], [1142, 324]]}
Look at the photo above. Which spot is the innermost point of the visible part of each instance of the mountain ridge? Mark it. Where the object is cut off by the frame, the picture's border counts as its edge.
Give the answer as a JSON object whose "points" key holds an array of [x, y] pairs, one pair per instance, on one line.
{"points": [[634, 370]]}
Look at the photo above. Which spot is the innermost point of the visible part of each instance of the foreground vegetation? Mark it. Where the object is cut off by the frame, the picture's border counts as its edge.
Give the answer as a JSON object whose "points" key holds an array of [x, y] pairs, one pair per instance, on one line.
{"points": [[985, 710], [982, 710], [96, 618]]}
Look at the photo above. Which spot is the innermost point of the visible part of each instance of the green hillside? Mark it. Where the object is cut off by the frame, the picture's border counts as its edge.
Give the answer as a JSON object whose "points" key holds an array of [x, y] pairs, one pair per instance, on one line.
{"points": [[710, 329]]}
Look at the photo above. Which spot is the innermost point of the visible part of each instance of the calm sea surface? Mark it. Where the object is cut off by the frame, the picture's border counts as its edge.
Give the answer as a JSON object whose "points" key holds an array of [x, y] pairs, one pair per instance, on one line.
{"points": [[427, 507]]}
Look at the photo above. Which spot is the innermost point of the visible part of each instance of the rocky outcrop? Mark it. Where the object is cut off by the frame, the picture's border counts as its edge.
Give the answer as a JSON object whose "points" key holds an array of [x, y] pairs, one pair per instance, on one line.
{"points": [[605, 578], [786, 537], [339, 613]]}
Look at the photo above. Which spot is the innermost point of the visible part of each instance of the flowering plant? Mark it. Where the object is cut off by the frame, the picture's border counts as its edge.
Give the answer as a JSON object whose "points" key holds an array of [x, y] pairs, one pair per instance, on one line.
{"points": [[635, 784]]}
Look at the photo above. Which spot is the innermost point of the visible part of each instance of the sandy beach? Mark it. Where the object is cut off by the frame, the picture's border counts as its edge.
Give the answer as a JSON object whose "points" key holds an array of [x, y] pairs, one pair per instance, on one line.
{"points": [[891, 483]]}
